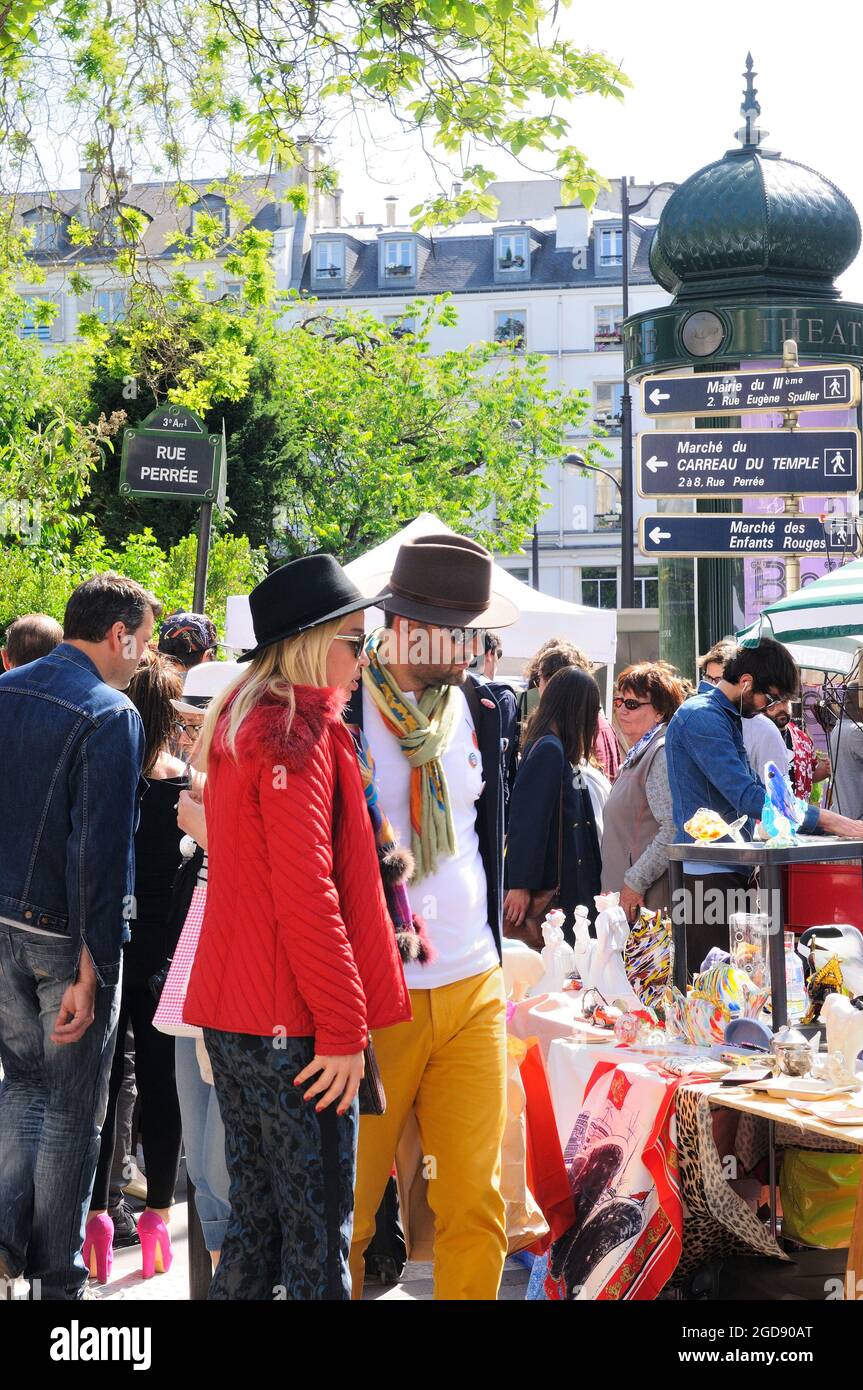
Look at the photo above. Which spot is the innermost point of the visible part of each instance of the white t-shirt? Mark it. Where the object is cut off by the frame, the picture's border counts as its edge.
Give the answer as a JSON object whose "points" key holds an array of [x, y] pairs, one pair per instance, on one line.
{"points": [[453, 900]]}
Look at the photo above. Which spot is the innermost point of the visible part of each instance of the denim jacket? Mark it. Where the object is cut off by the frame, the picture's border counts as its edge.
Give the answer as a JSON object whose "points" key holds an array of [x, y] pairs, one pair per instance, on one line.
{"points": [[707, 765], [72, 753]]}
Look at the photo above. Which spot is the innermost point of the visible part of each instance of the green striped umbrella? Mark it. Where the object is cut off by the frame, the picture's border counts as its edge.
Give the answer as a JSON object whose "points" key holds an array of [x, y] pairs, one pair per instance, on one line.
{"points": [[822, 625]]}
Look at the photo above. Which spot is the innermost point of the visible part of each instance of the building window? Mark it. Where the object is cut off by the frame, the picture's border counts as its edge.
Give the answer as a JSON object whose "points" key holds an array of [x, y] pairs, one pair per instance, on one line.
{"points": [[233, 289], [208, 207], [607, 398], [599, 587], [611, 246], [646, 588], [401, 325], [329, 260], [608, 326], [512, 251], [110, 305], [510, 327], [47, 229], [398, 259], [522, 575], [606, 504], [30, 326]]}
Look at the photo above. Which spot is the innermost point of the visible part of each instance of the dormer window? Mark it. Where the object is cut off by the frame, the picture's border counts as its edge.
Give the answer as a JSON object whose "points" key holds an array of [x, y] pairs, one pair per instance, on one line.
{"points": [[512, 252], [329, 261], [610, 246], [399, 259], [211, 205], [48, 229]]}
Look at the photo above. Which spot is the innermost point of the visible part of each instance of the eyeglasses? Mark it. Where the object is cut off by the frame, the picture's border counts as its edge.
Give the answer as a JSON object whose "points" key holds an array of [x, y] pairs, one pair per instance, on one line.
{"points": [[190, 730], [712, 680], [619, 701], [357, 641]]}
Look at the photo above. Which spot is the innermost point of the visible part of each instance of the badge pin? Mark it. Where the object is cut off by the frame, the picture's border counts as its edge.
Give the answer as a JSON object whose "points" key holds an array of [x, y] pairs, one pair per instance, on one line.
{"points": [[473, 759]]}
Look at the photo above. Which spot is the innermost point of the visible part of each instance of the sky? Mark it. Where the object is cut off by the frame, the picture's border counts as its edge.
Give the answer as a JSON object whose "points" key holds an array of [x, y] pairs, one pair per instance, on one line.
{"points": [[685, 59]]}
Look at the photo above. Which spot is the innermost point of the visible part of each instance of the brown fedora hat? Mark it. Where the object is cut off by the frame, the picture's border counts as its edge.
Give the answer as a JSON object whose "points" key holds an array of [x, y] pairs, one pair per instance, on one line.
{"points": [[447, 580]]}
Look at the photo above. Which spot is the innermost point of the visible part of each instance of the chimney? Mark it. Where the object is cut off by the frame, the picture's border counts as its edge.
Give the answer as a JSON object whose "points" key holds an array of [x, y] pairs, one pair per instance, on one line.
{"points": [[391, 210], [456, 188], [337, 206], [572, 227], [361, 219], [92, 194]]}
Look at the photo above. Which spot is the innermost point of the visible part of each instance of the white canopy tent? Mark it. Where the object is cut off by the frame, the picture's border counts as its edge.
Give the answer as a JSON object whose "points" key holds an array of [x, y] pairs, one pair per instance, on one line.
{"points": [[594, 630]]}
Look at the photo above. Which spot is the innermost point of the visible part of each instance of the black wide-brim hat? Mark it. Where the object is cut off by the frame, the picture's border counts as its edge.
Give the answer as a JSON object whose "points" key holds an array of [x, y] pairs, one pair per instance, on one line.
{"points": [[301, 595]]}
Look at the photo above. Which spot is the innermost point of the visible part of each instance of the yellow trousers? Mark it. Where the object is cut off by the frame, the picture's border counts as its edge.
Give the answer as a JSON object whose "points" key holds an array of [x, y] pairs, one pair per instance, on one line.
{"points": [[448, 1065]]}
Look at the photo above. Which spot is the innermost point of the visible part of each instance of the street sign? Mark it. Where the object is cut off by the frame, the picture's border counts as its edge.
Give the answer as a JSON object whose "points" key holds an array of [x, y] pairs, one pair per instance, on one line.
{"points": [[738, 393], [171, 455], [730, 463], [676, 533]]}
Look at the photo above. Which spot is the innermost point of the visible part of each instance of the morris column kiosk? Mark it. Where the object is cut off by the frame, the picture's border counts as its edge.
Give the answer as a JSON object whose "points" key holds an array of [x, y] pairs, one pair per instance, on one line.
{"points": [[750, 247]]}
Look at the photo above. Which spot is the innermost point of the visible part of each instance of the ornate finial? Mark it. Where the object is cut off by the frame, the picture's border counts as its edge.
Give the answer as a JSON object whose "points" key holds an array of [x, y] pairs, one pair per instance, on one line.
{"points": [[750, 134]]}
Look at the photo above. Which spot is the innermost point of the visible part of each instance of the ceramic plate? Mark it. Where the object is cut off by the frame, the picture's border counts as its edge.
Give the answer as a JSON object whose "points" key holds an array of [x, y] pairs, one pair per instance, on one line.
{"points": [[804, 1087], [834, 1112]]}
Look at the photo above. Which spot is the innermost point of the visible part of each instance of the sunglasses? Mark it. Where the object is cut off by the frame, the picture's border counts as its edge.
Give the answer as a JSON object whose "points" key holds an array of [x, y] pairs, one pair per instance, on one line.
{"points": [[357, 642], [619, 702]]}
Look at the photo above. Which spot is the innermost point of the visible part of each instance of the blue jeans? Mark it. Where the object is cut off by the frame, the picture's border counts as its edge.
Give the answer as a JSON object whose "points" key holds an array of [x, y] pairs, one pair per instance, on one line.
{"points": [[292, 1175], [204, 1142], [52, 1104]]}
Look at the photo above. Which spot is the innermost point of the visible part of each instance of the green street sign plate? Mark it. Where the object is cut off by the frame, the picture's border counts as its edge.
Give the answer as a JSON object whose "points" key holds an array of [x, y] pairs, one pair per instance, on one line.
{"points": [[171, 455]]}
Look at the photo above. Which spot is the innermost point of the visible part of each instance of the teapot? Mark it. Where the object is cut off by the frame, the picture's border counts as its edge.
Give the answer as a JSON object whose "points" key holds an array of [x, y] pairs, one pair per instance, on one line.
{"points": [[792, 1052]]}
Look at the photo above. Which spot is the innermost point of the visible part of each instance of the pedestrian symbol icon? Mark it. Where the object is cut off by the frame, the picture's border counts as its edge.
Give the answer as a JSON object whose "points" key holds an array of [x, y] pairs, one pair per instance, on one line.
{"points": [[838, 463], [838, 528], [834, 388]]}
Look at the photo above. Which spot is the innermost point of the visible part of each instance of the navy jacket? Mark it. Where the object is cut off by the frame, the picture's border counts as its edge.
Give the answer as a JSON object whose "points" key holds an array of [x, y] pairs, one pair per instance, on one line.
{"points": [[72, 753], [490, 807]]}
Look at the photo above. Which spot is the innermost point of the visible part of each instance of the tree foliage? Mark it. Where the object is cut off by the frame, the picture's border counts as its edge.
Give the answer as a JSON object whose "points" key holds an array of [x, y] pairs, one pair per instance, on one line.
{"points": [[341, 429], [169, 85]]}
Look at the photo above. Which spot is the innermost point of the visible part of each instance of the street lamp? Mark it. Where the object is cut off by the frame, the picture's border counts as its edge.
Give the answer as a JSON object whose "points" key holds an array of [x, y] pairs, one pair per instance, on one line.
{"points": [[627, 501]]}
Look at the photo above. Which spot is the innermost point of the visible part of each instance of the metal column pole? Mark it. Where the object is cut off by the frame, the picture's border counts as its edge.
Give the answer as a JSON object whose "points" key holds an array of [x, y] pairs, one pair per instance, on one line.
{"points": [[202, 559], [627, 506]]}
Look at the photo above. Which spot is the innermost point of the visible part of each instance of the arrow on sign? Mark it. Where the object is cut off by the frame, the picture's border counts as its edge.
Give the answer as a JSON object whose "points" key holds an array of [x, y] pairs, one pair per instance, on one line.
{"points": [[656, 535], [656, 396], [653, 463]]}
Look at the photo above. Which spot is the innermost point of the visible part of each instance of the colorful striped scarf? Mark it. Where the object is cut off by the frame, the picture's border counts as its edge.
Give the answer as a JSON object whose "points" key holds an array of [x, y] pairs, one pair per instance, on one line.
{"points": [[424, 730]]}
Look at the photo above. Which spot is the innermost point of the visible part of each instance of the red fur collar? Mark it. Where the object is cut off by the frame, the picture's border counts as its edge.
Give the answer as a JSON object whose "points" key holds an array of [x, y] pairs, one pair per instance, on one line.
{"points": [[266, 733]]}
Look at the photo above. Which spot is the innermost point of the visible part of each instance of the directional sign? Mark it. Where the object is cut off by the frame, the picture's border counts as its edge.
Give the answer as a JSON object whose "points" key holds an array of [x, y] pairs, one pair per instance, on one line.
{"points": [[675, 533], [768, 463], [738, 393], [171, 455]]}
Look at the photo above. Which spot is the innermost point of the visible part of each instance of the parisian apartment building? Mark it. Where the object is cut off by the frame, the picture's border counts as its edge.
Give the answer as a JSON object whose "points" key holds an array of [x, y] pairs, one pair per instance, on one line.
{"points": [[542, 276]]}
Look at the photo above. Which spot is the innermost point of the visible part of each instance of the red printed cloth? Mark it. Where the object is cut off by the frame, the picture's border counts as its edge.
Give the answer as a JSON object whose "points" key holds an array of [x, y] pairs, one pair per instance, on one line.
{"points": [[621, 1158], [546, 1174], [803, 758]]}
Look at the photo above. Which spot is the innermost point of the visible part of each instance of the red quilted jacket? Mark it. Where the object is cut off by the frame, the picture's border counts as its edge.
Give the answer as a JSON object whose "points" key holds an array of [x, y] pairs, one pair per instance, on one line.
{"points": [[296, 939]]}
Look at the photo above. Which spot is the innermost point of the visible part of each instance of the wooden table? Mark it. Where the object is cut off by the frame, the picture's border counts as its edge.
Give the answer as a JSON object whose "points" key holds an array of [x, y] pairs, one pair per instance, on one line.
{"points": [[775, 1112]]}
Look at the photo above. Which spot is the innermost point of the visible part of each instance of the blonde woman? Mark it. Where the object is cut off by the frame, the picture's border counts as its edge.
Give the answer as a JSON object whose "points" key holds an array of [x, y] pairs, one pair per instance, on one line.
{"points": [[297, 959]]}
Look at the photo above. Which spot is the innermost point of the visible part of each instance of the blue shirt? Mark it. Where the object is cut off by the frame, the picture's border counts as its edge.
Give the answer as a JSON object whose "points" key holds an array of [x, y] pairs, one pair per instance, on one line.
{"points": [[707, 766]]}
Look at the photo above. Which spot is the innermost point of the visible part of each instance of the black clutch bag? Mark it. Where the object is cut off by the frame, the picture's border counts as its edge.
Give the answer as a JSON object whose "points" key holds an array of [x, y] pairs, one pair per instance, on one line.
{"points": [[371, 1095]]}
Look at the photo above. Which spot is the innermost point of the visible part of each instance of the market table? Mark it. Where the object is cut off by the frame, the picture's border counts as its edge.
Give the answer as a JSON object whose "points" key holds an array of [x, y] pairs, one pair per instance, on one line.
{"points": [[775, 1112], [770, 862]]}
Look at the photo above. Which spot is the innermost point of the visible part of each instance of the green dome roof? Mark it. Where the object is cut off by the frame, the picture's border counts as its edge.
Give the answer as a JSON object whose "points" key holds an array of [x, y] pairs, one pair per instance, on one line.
{"points": [[754, 223]]}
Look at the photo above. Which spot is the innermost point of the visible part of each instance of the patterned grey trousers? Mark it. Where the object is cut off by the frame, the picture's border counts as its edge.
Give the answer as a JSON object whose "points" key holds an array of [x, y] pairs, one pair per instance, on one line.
{"points": [[291, 1175]]}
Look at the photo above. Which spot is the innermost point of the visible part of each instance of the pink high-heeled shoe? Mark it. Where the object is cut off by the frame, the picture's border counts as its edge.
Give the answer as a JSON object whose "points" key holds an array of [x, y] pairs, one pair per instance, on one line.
{"points": [[99, 1247], [156, 1251]]}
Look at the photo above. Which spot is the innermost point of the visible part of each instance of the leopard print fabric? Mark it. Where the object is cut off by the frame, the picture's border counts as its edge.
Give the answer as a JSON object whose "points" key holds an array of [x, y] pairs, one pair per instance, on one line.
{"points": [[716, 1221]]}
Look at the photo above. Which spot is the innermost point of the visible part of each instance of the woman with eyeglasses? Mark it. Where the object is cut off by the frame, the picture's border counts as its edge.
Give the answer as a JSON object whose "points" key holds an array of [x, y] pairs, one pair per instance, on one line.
{"points": [[297, 959], [639, 820], [557, 773]]}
